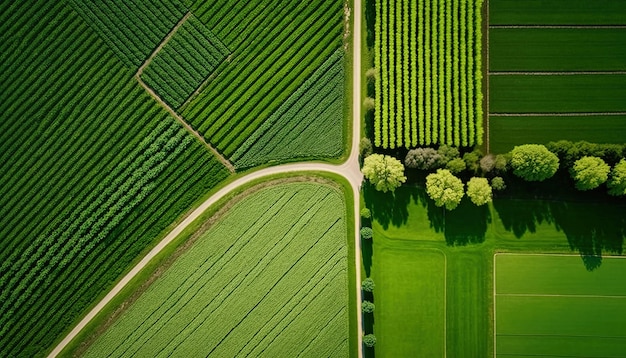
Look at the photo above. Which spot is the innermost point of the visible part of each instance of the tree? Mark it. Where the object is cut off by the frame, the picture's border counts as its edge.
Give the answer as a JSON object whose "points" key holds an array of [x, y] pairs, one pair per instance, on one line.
{"points": [[384, 172], [366, 213], [472, 160], [447, 153], [479, 191], [497, 183], [367, 307], [369, 340], [456, 165], [422, 158], [589, 172], [368, 285], [366, 233], [488, 163], [533, 162], [617, 181], [444, 188], [369, 104], [365, 147], [501, 163]]}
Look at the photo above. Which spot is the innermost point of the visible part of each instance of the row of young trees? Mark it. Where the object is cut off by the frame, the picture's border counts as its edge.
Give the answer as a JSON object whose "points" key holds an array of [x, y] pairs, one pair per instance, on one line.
{"points": [[428, 62]]}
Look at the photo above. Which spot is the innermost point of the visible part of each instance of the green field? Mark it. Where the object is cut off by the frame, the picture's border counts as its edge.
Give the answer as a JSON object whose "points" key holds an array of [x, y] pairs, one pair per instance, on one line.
{"points": [[410, 314], [551, 306], [429, 86], [505, 131], [270, 278], [92, 171], [541, 49], [275, 48], [556, 94], [552, 12]]}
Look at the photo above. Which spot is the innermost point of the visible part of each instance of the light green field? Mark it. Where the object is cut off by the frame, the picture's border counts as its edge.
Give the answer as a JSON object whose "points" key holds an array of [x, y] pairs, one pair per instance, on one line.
{"points": [[552, 306], [270, 278], [410, 298], [548, 94], [541, 49], [544, 129]]}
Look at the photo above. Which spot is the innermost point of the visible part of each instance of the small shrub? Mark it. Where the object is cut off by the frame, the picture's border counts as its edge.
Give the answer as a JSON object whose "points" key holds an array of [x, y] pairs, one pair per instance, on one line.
{"points": [[366, 213], [369, 340], [497, 183], [366, 233], [371, 74], [367, 307], [456, 165], [472, 161], [501, 163], [369, 104], [368, 285], [422, 158], [488, 163], [448, 153], [365, 147]]}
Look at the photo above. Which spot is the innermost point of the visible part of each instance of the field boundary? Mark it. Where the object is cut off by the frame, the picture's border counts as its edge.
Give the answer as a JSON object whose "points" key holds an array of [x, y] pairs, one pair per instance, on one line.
{"points": [[558, 26], [554, 73], [558, 114], [557, 295]]}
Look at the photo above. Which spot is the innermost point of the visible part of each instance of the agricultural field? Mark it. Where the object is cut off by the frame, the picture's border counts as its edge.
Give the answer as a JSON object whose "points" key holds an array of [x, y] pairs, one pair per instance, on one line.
{"points": [[276, 48], [408, 228], [550, 305], [556, 73], [93, 170], [273, 271], [429, 85]]}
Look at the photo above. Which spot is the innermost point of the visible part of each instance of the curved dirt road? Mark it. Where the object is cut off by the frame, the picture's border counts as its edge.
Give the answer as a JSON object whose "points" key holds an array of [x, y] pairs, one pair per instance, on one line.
{"points": [[349, 169]]}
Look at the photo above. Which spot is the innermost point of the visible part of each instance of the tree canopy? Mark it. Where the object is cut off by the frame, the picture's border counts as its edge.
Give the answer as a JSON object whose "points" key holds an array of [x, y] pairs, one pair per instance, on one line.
{"points": [[444, 188], [479, 191], [533, 162], [423, 158], [617, 181], [368, 285], [384, 172], [366, 233], [589, 172], [367, 307], [369, 340]]}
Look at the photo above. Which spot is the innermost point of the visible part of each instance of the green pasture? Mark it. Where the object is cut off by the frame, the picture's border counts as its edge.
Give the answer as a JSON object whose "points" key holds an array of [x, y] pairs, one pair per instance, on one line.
{"points": [[541, 49], [408, 227], [551, 306], [273, 271], [410, 302], [507, 132], [549, 94], [557, 12]]}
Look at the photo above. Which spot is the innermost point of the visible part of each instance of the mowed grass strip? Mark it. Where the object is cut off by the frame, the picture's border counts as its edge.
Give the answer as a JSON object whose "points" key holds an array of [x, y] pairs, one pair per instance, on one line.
{"points": [[540, 49], [269, 279], [544, 129], [548, 305], [410, 302], [552, 12], [556, 94]]}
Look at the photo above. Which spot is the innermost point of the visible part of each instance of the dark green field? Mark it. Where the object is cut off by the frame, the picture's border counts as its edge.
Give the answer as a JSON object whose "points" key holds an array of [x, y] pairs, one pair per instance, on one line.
{"points": [[541, 49], [557, 12], [544, 129], [557, 94]]}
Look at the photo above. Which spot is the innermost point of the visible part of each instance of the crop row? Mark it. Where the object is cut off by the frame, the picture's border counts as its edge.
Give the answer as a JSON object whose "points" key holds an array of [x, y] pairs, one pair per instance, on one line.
{"points": [[90, 169], [184, 62], [272, 60], [312, 113], [428, 55], [268, 275], [132, 29]]}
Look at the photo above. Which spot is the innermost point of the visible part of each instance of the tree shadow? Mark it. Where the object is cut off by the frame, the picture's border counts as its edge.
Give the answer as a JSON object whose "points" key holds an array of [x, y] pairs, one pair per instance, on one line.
{"points": [[522, 216], [370, 21], [467, 224], [391, 207], [366, 255]]}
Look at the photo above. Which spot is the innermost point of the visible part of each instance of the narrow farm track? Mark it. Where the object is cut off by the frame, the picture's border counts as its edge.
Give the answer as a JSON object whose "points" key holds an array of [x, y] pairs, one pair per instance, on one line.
{"points": [[349, 169]]}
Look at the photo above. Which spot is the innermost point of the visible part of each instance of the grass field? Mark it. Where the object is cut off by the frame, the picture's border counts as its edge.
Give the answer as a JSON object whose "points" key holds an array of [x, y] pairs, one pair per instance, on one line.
{"points": [[571, 49], [273, 271], [407, 224], [544, 129], [92, 171], [410, 295], [551, 306], [550, 94], [552, 12], [275, 48]]}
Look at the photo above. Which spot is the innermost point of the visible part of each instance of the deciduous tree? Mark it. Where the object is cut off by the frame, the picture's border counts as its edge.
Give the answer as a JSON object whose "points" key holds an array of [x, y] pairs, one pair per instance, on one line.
{"points": [[479, 191], [422, 158], [444, 188], [589, 172], [533, 162], [617, 181], [384, 172]]}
